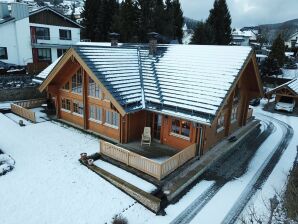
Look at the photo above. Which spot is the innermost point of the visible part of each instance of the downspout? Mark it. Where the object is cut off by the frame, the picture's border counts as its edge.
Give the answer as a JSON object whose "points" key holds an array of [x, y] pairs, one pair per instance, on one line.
{"points": [[200, 141]]}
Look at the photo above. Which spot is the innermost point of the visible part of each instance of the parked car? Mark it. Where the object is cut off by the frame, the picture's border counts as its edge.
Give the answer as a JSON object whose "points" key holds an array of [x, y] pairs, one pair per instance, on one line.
{"points": [[291, 66], [285, 104], [255, 102], [9, 66]]}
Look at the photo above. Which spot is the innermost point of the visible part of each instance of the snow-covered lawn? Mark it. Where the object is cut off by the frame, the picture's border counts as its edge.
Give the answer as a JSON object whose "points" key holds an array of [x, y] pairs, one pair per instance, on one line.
{"points": [[48, 184]]}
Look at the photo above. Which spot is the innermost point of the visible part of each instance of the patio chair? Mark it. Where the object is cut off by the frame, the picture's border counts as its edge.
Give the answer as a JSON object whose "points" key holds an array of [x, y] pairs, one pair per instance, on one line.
{"points": [[146, 136]]}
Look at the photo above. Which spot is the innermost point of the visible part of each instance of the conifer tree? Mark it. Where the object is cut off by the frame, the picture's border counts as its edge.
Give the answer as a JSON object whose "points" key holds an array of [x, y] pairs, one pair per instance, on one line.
{"points": [[178, 21], [220, 22], [203, 34], [169, 19], [278, 51]]}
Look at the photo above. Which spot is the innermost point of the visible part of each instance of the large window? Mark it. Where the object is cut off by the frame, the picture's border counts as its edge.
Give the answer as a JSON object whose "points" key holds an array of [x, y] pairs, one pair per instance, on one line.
{"points": [[65, 34], [234, 114], [112, 118], [78, 107], [77, 82], [42, 33], [65, 104], [220, 123], [94, 89], [181, 127], [3, 53], [95, 113], [66, 86], [44, 54]]}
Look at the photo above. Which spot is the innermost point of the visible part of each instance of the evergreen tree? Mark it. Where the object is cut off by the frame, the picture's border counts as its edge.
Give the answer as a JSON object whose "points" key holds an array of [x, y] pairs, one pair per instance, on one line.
{"points": [[278, 51], [89, 15], [220, 22], [159, 17], [145, 17], [169, 19], [128, 21], [73, 9], [178, 21], [203, 34]]}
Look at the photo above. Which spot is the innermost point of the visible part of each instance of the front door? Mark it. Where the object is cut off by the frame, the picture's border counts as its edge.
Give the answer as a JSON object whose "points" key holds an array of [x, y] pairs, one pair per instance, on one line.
{"points": [[157, 121]]}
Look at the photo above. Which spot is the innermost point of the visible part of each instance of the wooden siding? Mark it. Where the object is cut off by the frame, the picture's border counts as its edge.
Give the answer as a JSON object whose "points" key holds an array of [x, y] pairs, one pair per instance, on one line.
{"points": [[23, 112], [48, 17]]}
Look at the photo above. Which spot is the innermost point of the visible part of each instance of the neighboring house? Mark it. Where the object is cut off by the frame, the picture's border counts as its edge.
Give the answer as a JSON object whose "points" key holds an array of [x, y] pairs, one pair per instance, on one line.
{"points": [[292, 41], [42, 35], [289, 89], [187, 94], [244, 38]]}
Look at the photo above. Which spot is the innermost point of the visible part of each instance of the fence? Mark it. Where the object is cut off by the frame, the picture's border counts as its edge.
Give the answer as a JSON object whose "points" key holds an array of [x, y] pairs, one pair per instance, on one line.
{"points": [[23, 112], [30, 103], [144, 164]]}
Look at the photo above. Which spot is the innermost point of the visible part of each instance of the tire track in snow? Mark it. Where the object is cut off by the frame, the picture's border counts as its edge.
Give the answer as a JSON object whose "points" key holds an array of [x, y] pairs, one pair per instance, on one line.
{"points": [[262, 174], [196, 206]]}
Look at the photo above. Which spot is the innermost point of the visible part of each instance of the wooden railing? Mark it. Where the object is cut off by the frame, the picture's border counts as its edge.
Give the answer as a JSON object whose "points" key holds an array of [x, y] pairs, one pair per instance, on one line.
{"points": [[150, 167], [23, 112], [30, 103]]}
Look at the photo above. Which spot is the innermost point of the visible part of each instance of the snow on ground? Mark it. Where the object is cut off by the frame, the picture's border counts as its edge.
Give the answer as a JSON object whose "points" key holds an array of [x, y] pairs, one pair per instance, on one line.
{"points": [[290, 73], [124, 175], [278, 178], [224, 200], [138, 214], [39, 115], [6, 163], [48, 184], [17, 118]]}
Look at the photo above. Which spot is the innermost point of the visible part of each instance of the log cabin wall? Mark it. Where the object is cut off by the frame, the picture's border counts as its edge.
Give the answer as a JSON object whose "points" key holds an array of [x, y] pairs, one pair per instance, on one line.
{"points": [[62, 91]]}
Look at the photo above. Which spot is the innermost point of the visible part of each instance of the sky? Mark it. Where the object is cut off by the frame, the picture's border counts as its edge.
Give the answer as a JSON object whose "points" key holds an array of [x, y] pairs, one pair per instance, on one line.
{"points": [[245, 12]]}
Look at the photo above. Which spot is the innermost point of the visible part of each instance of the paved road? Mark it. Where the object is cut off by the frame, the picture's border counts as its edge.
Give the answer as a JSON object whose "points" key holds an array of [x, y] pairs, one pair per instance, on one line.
{"points": [[223, 173]]}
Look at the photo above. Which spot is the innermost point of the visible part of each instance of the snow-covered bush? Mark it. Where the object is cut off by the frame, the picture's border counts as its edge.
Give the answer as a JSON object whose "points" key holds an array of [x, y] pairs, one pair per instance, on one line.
{"points": [[6, 164]]}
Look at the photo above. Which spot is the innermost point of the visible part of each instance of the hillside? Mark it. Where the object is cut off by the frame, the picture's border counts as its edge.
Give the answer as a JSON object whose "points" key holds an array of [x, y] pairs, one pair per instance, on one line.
{"points": [[272, 30]]}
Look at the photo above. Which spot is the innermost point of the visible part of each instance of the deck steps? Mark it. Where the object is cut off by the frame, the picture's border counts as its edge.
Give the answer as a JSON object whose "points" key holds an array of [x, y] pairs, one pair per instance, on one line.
{"points": [[148, 200]]}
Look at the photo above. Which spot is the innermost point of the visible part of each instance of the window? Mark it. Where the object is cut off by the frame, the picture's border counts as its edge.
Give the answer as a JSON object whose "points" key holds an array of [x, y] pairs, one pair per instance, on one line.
{"points": [[65, 34], [3, 53], [44, 54], [234, 114], [220, 123], [94, 89], [42, 33], [65, 104], [95, 113], [77, 82], [60, 52], [112, 118], [78, 107], [181, 127], [66, 86]]}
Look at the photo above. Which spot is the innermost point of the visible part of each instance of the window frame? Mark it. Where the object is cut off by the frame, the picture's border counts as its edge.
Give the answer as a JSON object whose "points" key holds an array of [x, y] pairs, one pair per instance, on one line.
{"points": [[63, 51], [67, 32], [44, 37], [65, 105], [44, 50], [96, 117], [112, 121], [78, 108], [77, 79], [179, 129], [234, 113], [5, 55], [94, 90], [220, 125]]}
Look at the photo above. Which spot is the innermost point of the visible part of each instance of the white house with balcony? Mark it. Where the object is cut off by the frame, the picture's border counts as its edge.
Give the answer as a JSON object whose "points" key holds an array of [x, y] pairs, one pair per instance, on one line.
{"points": [[292, 41], [38, 36]]}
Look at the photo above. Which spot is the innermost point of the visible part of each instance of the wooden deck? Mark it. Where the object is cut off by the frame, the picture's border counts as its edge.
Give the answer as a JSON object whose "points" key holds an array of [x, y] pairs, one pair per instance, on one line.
{"points": [[156, 151], [163, 160]]}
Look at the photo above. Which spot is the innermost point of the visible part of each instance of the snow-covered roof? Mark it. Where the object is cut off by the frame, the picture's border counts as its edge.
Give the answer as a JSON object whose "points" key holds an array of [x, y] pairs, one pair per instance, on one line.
{"points": [[292, 85], [190, 81], [251, 34]]}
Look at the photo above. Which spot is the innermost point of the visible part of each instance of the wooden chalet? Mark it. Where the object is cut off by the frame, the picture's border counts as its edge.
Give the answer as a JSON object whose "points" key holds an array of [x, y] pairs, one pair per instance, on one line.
{"points": [[289, 89], [190, 96]]}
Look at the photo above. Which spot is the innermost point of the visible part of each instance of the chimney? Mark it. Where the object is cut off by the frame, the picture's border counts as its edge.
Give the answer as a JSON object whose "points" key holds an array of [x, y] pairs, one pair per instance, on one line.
{"points": [[152, 43], [114, 39], [19, 10], [3, 10]]}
